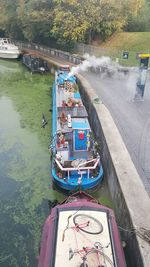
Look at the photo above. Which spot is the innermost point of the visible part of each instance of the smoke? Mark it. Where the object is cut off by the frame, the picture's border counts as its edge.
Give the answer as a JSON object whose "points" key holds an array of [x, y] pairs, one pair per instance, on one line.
{"points": [[131, 81], [90, 61], [104, 66], [98, 64]]}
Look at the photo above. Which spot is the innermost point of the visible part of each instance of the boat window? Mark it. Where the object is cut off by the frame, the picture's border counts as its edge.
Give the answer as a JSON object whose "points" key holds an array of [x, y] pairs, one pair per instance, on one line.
{"points": [[81, 135], [64, 68]]}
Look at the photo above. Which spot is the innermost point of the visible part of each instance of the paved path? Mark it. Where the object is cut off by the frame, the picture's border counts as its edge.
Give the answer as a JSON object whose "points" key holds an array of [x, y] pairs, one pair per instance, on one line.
{"points": [[132, 118]]}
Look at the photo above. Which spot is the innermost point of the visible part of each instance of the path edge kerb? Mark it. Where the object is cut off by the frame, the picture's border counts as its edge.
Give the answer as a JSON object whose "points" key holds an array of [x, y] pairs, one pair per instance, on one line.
{"points": [[132, 189]]}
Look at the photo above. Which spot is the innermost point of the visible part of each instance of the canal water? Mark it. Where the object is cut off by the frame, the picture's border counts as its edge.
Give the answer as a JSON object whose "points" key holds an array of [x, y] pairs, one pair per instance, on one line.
{"points": [[25, 182]]}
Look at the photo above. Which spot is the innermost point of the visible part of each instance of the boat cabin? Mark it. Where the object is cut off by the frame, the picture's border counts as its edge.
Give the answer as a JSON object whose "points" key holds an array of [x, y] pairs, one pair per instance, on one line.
{"points": [[4, 41], [73, 138], [8, 50], [64, 68], [73, 129]]}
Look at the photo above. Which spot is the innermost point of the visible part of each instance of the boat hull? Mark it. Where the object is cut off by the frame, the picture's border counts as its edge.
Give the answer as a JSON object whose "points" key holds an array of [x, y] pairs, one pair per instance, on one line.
{"points": [[9, 55], [87, 183]]}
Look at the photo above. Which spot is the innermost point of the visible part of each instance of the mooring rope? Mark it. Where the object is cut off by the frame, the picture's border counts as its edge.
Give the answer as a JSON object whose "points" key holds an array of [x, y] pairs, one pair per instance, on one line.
{"points": [[143, 233]]}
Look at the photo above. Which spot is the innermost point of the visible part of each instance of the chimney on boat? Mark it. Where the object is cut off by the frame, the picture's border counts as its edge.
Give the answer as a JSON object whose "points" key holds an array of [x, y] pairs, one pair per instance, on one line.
{"points": [[69, 121]]}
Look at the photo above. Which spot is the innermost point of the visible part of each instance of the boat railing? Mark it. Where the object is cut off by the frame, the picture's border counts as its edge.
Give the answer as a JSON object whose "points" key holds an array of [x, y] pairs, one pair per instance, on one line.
{"points": [[90, 161], [81, 164], [80, 167]]}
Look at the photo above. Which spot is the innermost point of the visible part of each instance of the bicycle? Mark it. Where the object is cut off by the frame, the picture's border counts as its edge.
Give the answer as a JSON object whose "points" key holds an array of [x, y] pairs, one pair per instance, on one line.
{"points": [[91, 226], [80, 224], [86, 252]]}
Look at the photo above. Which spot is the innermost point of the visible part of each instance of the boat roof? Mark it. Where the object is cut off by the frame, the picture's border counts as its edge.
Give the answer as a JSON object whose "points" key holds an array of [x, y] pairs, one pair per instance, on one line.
{"points": [[4, 39], [74, 240], [76, 124], [80, 123], [63, 76], [7, 44], [75, 112], [77, 95], [64, 68]]}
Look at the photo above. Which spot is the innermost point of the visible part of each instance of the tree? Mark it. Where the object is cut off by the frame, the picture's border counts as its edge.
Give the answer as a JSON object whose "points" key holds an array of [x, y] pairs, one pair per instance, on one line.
{"points": [[70, 21], [78, 19], [35, 17], [8, 21], [141, 21]]}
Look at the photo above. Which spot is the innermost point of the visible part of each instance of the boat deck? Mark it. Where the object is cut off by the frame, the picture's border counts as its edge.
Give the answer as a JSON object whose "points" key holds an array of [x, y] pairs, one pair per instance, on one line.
{"points": [[75, 112], [63, 96]]}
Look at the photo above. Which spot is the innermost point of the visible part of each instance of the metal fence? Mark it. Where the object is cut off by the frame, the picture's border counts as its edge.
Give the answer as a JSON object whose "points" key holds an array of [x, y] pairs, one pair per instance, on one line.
{"points": [[81, 49], [51, 52], [116, 54]]}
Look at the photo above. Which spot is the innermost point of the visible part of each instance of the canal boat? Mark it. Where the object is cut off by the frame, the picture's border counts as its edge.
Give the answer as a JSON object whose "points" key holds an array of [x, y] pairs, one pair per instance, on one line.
{"points": [[80, 232], [8, 50], [76, 163], [34, 63]]}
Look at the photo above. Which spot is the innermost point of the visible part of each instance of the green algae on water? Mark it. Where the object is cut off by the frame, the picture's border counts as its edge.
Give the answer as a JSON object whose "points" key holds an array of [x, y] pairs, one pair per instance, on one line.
{"points": [[25, 183], [24, 163]]}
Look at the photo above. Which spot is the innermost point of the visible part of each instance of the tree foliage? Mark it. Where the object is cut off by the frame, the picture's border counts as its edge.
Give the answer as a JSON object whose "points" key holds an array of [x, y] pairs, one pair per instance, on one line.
{"points": [[140, 22], [69, 21], [77, 19]]}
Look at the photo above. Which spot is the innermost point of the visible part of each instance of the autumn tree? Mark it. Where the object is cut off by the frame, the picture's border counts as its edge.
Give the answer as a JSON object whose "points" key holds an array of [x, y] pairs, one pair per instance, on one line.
{"points": [[69, 21], [139, 20], [79, 20]]}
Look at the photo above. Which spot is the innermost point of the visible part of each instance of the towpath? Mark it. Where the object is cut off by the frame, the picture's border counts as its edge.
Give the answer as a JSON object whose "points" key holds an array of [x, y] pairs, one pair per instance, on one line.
{"points": [[132, 118]]}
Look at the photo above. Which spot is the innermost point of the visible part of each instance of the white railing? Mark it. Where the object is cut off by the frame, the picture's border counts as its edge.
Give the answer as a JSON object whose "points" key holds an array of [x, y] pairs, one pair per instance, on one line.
{"points": [[78, 168]]}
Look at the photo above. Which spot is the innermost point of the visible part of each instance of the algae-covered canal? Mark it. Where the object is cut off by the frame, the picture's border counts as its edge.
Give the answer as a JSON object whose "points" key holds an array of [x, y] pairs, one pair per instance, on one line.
{"points": [[25, 183]]}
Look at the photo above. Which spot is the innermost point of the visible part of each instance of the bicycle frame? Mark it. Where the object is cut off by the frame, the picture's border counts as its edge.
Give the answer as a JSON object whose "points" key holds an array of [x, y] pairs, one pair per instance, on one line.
{"points": [[98, 249]]}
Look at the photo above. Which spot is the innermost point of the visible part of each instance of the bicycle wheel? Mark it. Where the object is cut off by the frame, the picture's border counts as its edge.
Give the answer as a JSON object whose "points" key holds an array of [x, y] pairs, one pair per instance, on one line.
{"points": [[96, 258], [93, 226], [83, 265]]}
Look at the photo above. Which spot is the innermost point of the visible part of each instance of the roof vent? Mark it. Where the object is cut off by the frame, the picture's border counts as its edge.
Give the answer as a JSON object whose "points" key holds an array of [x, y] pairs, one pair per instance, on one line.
{"points": [[69, 121]]}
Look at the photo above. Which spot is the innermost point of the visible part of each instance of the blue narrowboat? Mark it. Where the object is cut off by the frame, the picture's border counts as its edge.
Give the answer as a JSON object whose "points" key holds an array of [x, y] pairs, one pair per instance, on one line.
{"points": [[76, 163]]}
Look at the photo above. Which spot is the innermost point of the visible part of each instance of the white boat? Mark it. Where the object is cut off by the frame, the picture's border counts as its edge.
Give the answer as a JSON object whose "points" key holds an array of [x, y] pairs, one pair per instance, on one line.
{"points": [[8, 50]]}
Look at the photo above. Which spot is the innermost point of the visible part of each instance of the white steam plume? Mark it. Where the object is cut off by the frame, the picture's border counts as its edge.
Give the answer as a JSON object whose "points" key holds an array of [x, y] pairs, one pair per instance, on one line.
{"points": [[94, 62], [103, 65], [108, 68]]}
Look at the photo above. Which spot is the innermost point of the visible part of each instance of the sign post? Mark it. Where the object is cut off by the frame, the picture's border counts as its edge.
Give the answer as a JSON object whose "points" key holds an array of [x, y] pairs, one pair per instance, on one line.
{"points": [[125, 55], [140, 85]]}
